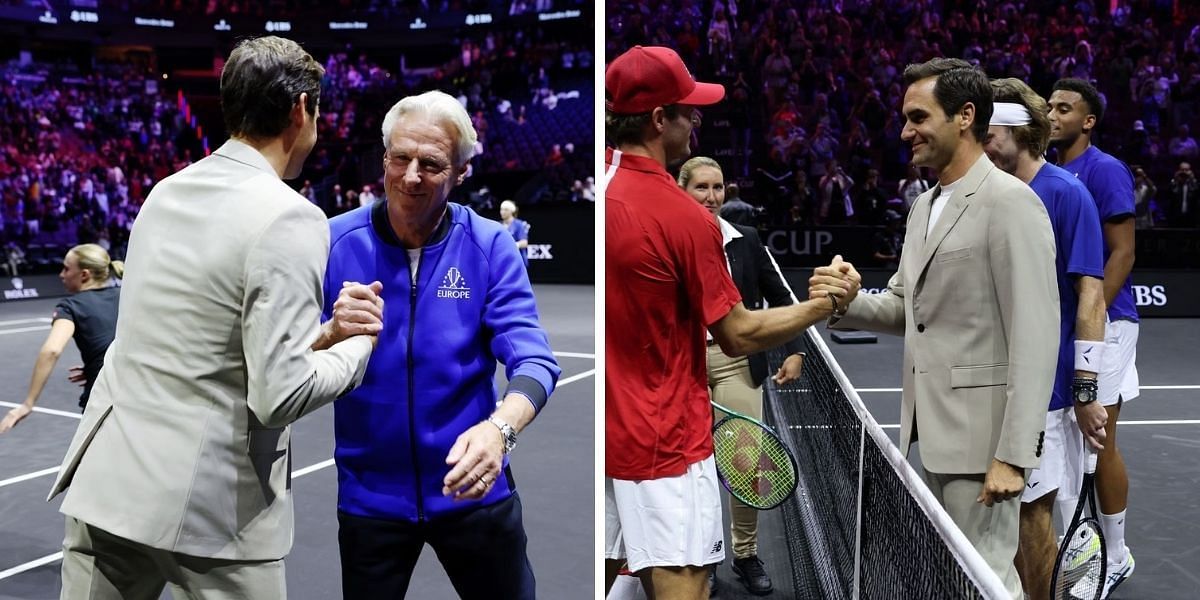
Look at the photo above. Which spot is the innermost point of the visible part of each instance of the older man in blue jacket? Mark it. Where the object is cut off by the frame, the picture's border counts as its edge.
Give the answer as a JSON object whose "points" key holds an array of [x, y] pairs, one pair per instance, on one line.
{"points": [[422, 445]]}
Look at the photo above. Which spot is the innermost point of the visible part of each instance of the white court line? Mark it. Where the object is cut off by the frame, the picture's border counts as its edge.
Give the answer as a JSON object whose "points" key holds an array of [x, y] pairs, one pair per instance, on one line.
{"points": [[24, 329], [577, 377], [57, 556], [33, 475], [24, 321], [33, 564], [1143, 387], [575, 354], [311, 468], [49, 411]]}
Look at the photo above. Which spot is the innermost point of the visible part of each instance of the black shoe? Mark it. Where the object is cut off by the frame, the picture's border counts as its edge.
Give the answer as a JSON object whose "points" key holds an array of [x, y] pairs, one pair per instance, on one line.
{"points": [[753, 575], [712, 581]]}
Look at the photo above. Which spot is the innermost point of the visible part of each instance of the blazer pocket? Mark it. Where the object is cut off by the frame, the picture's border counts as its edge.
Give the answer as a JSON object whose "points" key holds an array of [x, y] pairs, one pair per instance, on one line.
{"points": [[952, 255], [979, 376]]}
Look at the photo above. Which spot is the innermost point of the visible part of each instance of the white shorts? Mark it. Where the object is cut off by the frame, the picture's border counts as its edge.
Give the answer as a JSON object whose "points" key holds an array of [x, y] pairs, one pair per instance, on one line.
{"points": [[1062, 459], [1118, 376], [668, 522]]}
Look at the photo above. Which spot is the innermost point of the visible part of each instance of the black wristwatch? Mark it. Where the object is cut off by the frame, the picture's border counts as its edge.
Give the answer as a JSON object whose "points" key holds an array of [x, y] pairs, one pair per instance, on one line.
{"points": [[1084, 390]]}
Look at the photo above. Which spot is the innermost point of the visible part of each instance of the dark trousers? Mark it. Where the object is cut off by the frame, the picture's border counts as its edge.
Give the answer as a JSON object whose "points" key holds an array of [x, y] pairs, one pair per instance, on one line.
{"points": [[482, 550]]}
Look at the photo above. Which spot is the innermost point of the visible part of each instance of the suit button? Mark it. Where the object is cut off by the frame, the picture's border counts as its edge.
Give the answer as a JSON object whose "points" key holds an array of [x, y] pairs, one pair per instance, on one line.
{"points": [[921, 328]]}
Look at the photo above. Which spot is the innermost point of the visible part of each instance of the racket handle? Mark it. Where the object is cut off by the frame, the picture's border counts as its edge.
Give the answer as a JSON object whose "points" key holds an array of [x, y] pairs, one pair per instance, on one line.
{"points": [[1091, 460]]}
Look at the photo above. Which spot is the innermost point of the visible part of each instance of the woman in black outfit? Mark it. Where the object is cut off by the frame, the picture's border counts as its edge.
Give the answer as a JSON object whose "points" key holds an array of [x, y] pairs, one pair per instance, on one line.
{"points": [[89, 315]]}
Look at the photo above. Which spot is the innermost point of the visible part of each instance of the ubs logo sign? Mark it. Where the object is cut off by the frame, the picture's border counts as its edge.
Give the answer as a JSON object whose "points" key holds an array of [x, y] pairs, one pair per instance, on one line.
{"points": [[1150, 295]]}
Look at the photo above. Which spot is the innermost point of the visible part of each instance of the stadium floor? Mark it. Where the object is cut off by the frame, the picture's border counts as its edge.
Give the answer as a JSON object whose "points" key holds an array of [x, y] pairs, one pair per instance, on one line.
{"points": [[1159, 439], [554, 467]]}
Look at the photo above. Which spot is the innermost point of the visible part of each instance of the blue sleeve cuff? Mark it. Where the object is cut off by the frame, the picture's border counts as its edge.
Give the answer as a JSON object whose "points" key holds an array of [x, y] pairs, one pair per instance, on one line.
{"points": [[530, 388]]}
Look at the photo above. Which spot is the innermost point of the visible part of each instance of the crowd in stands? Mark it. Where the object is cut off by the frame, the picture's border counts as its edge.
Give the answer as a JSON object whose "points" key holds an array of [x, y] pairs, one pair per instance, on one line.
{"points": [[811, 124], [529, 95], [81, 147], [79, 152], [293, 9]]}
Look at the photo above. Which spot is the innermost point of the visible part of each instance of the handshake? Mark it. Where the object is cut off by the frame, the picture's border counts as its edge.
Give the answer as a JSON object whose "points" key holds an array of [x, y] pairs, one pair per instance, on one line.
{"points": [[840, 282], [357, 311]]}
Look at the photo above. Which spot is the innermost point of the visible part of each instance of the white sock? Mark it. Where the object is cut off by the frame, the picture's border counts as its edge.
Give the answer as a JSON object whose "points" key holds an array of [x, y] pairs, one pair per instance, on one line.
{"points": [[1114, 537]]}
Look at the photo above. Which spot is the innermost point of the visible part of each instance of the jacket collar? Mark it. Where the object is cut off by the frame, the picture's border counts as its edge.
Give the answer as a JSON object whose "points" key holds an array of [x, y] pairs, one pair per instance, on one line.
{"points": [[955, 206], [383, 227], [246, 154], [728, 231]]}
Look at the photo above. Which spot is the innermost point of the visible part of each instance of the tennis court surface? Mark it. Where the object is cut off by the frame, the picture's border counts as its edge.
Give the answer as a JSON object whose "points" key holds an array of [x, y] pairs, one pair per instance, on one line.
{"points": [[553, 466]]}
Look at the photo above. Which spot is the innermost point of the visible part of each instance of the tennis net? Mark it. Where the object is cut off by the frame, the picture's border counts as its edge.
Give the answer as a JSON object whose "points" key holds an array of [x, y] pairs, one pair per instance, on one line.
{"points": [[862, 524]]}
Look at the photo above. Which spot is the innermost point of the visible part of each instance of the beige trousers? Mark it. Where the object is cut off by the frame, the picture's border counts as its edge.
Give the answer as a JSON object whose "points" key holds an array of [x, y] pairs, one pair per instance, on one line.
{"points": [[995, 531], [731, 386], [101, 566]]}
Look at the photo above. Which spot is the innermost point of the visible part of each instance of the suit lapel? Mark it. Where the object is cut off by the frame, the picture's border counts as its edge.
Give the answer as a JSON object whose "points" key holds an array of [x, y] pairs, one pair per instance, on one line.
{"points": [[914, 239], [954, 208]]}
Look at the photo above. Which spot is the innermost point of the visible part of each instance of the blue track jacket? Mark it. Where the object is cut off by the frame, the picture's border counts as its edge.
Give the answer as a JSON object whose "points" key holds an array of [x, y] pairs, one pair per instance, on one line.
{"points": [[432, 374]]}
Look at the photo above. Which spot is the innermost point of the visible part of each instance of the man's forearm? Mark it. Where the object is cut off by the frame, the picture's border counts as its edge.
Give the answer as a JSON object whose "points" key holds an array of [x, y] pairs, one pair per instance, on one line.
{"points": [[758, 330], [1116, 271], [1089, 315], [324, 337], [516, 410]]}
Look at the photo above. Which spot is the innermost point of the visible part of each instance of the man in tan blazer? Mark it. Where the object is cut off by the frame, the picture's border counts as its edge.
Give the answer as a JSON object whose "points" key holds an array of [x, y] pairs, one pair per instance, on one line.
{"points": [[180, 472], [976, 300]]}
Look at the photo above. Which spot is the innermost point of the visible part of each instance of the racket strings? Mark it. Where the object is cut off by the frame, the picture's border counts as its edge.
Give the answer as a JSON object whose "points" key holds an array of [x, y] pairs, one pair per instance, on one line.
{"points": [[754, 465], [1081, 564]]}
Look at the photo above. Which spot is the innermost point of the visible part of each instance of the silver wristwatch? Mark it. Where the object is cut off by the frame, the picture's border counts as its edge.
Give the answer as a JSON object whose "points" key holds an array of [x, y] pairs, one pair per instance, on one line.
{"points": [[506, 430]]}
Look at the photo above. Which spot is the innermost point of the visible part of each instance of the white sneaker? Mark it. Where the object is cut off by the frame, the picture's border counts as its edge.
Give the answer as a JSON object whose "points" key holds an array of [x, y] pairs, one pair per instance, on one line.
{"points": [[1117, 574]]}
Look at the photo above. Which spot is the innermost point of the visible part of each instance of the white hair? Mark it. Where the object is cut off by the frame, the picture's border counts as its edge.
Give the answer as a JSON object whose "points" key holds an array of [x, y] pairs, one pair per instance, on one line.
{"points": [[510, 205], [441, 107]]}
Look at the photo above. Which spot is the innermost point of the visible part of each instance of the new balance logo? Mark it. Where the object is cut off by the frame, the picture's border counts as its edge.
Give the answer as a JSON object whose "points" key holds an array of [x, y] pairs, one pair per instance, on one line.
{"points": [[717, 547], [454, 286]]}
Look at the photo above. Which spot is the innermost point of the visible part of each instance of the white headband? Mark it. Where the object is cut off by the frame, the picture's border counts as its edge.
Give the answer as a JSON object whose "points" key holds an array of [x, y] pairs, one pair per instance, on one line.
{"points": [[1010, 114]]}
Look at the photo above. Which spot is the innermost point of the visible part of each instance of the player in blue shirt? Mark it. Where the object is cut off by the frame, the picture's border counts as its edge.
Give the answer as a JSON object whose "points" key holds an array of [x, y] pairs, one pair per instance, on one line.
{"points": [[1016, 141], [1075, 112]]}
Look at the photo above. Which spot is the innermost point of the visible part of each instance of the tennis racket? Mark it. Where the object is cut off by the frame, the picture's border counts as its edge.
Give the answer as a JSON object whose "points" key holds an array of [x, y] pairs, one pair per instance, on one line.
{"points": [[752, 461], [1079, 570]]}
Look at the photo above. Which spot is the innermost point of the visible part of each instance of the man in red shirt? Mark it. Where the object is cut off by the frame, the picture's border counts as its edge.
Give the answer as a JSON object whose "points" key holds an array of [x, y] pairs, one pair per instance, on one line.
{"points": [[665, 282]]}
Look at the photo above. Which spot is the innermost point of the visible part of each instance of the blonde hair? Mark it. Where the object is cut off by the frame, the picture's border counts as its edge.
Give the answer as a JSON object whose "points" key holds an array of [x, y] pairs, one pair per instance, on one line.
{"points": [[511, 205], [685, 171], [95, 260], [441, 107]]}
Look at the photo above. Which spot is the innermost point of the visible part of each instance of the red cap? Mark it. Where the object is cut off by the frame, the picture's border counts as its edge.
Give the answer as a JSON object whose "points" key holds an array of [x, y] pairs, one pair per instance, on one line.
{"points": [[651, 76]]}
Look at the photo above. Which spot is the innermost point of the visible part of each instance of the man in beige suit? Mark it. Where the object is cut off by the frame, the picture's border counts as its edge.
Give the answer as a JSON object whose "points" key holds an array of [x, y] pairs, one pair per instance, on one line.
{"points": [[976, 299], [179, 472]]}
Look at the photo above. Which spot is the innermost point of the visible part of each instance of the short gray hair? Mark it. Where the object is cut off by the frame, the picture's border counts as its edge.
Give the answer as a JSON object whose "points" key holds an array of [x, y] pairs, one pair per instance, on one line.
{"points": [[441, 107]]}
